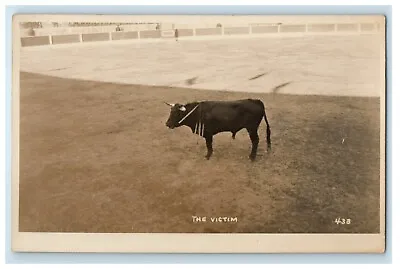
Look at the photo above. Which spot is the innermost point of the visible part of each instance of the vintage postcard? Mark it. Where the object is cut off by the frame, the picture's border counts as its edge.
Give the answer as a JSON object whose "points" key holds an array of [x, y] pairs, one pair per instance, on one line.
{"points": [[228, 134]]}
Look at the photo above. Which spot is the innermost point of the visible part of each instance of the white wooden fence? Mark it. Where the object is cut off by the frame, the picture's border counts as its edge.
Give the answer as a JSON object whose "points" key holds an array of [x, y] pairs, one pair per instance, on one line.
{"points": [[282, 29]]}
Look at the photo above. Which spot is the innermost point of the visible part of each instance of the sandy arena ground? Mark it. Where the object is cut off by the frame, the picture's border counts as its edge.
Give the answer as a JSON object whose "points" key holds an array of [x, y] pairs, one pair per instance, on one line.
{"points": [[97, 156], [323, 65]]}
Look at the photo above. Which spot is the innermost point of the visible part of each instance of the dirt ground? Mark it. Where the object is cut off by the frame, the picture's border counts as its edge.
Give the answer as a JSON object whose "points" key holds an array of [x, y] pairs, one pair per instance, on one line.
{"points": [[97, 157]]}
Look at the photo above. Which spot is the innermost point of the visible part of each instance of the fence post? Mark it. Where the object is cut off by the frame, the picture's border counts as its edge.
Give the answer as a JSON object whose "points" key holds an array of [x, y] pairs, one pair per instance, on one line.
{"points": [[194, 31], [50, 40], [110, 36], [279, 28], [138, 34], [80, 38]]}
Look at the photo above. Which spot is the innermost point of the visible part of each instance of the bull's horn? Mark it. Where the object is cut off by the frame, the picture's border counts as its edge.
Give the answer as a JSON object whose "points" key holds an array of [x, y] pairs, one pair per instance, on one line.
{"points": [[182, 108], [169, 104]]}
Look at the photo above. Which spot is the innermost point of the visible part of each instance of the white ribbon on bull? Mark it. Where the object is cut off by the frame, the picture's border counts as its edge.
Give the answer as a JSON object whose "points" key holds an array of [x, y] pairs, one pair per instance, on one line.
{"points": [[199, 127], [188, 114]]}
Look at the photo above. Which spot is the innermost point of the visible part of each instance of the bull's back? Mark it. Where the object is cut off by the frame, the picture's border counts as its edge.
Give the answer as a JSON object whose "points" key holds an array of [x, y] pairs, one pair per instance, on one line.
{"points": [[230, 108]]}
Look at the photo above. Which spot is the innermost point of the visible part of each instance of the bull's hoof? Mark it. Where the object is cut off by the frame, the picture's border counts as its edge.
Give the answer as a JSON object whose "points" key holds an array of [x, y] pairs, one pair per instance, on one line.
{"points": [[207, 157], [252, 158]]}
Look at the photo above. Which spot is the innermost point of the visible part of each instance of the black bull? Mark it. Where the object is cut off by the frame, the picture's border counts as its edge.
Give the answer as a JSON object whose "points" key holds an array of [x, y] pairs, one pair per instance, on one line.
{"points": [[208, 118]]}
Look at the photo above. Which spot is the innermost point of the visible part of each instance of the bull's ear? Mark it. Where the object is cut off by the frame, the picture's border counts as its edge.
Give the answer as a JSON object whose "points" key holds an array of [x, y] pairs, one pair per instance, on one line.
{"points": [[169, 104], [182, 108]]}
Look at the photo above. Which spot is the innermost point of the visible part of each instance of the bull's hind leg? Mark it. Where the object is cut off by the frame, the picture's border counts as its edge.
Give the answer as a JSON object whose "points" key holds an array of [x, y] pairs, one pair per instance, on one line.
{"points": [[209, 140], [254, 142]]}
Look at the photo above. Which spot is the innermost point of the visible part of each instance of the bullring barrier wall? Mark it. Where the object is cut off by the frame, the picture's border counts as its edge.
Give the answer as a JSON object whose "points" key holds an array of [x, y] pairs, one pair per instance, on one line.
{"points": [[218, 31]]}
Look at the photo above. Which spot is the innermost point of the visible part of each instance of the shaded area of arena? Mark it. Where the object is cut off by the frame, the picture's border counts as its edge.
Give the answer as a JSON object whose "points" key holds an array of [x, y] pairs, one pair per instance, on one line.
{"points": [[97, 157]]}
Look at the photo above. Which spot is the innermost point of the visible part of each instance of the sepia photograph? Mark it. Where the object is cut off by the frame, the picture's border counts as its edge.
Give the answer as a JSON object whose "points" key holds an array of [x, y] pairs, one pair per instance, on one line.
{"points": [[199, 125]]}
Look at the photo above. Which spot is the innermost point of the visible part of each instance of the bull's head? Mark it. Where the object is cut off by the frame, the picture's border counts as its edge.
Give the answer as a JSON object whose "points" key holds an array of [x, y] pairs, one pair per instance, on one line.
{"points": [[178, 111]]}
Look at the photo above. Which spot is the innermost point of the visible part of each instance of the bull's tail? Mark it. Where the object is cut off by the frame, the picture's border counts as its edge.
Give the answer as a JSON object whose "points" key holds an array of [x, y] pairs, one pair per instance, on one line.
{"points": [[268, 132]]}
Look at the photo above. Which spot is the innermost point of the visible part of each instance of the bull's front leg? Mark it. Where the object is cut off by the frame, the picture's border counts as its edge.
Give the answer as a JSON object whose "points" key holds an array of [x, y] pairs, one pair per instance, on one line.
{"points": [[209, 140]]}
